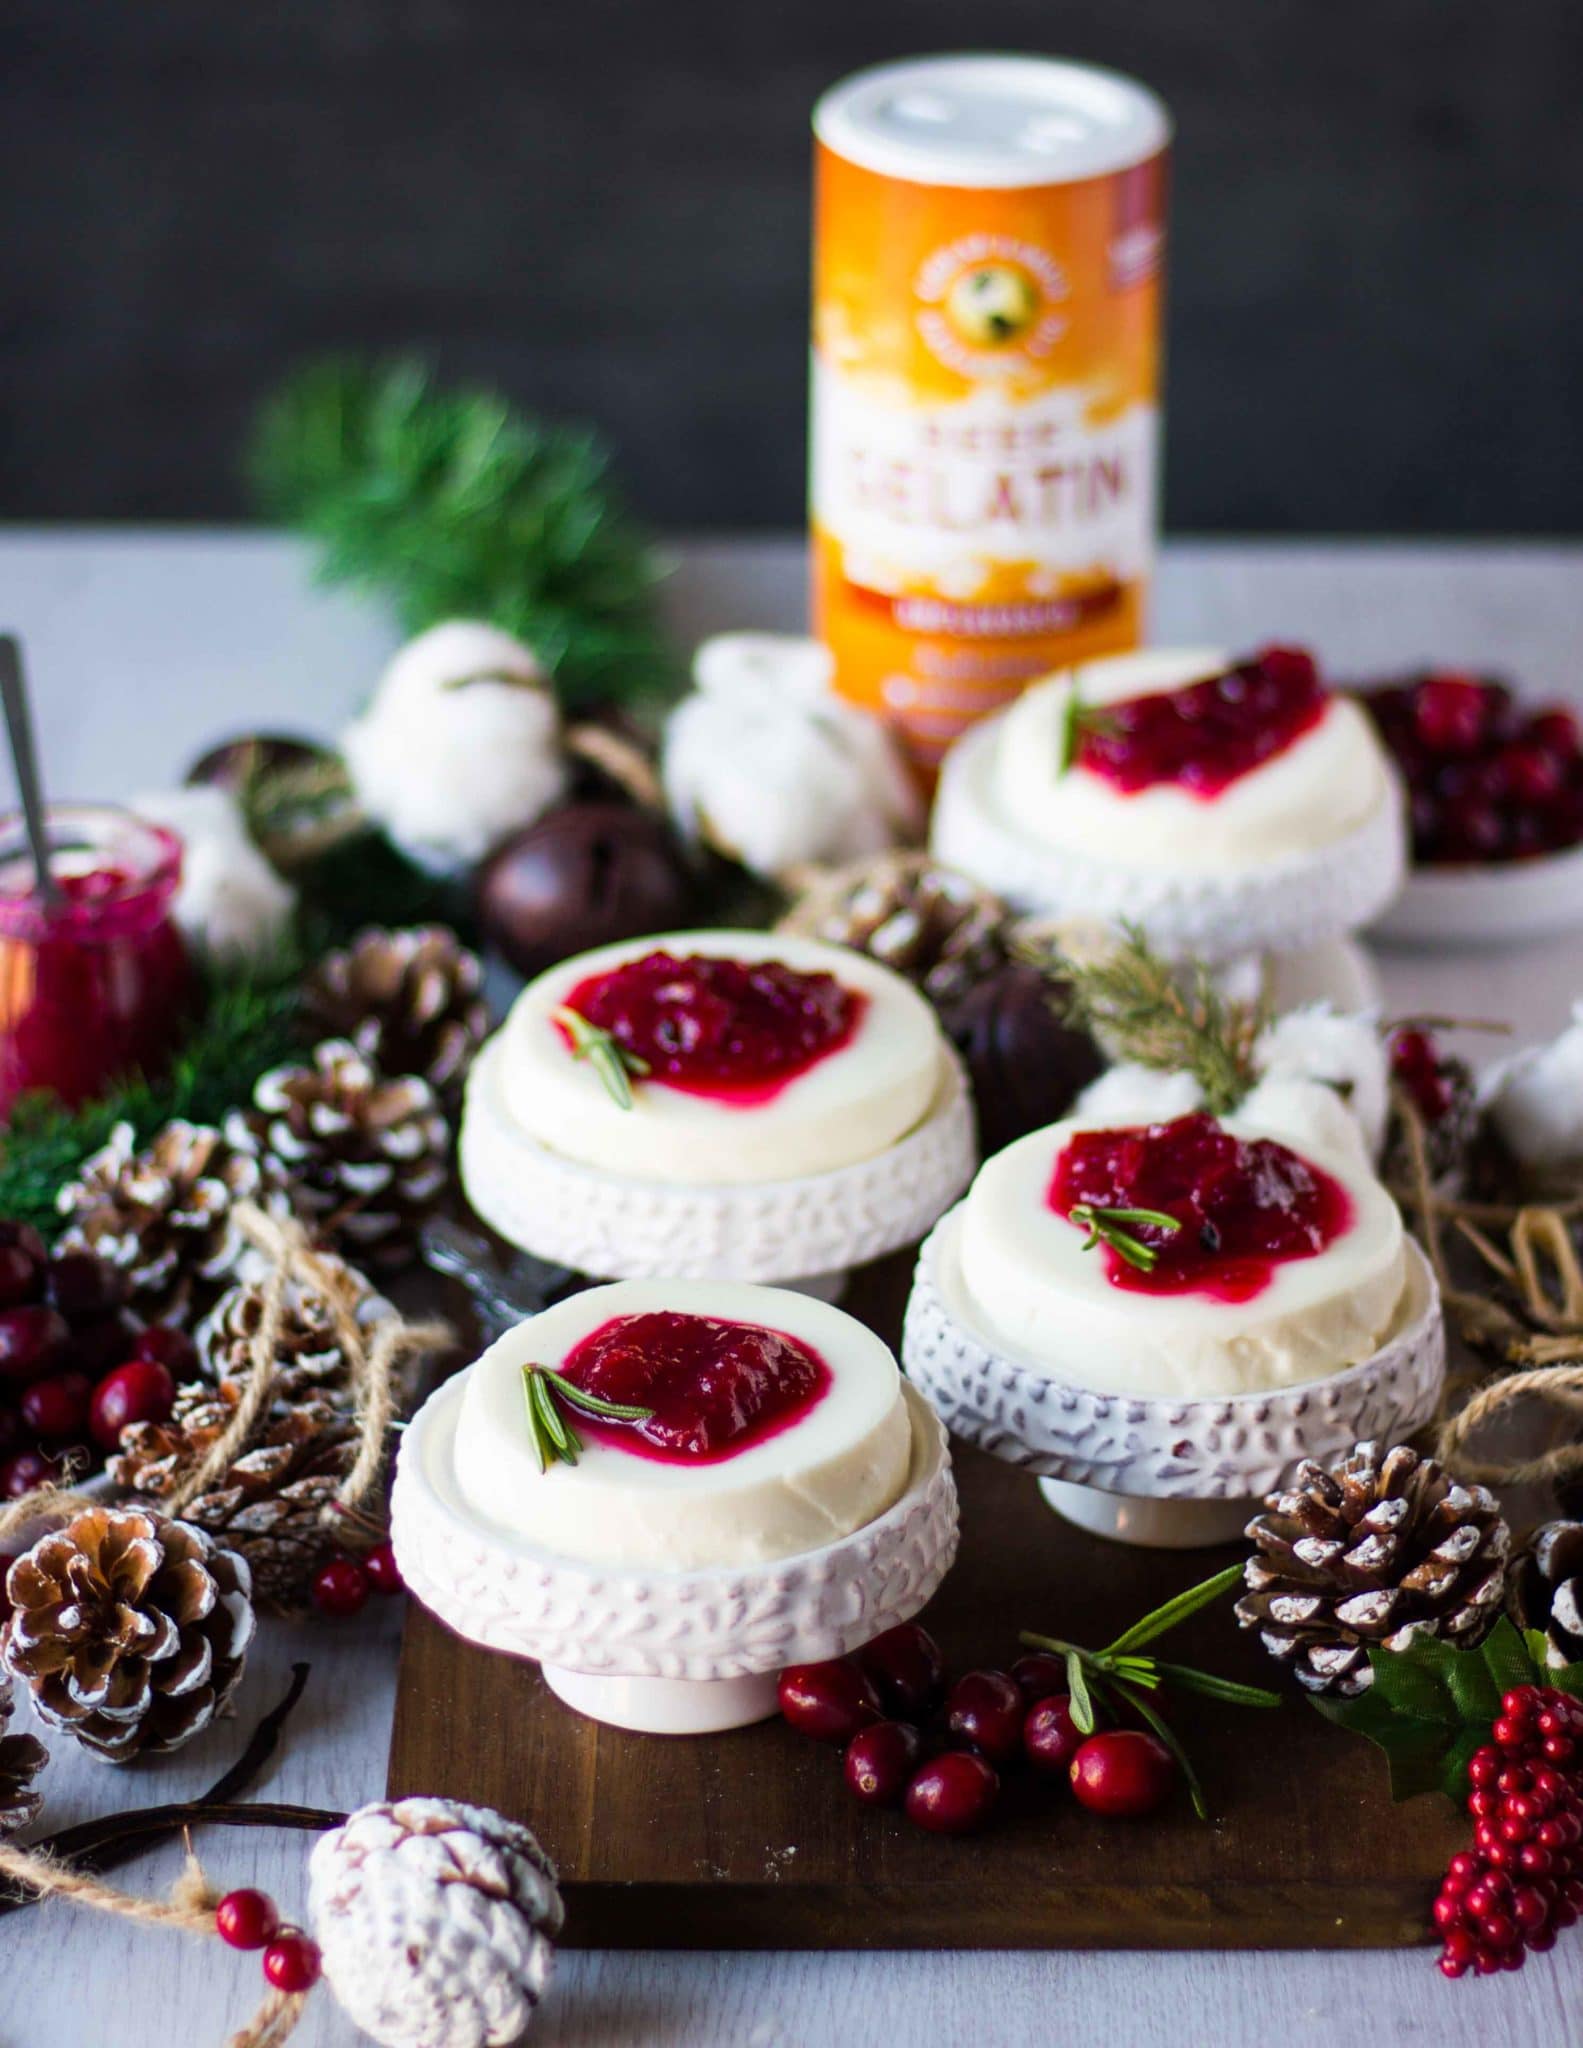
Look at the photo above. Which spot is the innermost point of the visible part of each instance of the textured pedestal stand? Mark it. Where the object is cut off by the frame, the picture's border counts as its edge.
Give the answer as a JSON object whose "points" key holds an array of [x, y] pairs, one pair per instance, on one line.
{"points": [[1167, 1472]]}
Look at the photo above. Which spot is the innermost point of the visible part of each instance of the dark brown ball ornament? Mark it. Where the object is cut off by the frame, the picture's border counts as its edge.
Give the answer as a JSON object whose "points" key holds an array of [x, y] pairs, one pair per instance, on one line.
{"points": [[1024, 1063], [588, 874]]}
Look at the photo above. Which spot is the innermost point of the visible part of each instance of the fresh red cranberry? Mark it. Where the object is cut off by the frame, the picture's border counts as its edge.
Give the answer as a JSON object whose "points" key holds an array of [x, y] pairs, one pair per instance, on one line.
{"points": [[953, 1793], [142, 1390], [1040, 1674], [1417, 1064], [292, 1962], [10, 1427], [1473, 830], [247, 1919], [906, 1666], [880, 1762], [33, 1341], [1050, 1737], [985, 1709], [1556, 730], [96, 1347], [1451, 713], [20, 1273], [57, 1409], [1123, 1772], [84, 1287], [829, 1701], [1534, 775], [171, 1347], [384, 1574], [341, 1588], [24, 1470]]}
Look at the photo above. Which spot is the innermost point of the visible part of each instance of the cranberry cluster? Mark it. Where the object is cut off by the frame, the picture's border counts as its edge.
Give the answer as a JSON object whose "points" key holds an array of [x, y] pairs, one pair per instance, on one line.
{"points": [[1418, 1064], [75, 1368], [342, 1585], [938, 1752], [1522, 1880], [249, 1919], [1488, 779]]}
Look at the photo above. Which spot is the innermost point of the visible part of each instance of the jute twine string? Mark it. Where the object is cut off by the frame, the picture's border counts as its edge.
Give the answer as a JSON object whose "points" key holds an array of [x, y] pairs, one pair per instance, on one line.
{"points": [[189, 1909]]}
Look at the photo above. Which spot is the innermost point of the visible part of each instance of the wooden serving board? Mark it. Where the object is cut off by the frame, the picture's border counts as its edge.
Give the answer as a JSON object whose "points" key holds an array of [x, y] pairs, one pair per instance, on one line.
{"points": [[749, 1840]]}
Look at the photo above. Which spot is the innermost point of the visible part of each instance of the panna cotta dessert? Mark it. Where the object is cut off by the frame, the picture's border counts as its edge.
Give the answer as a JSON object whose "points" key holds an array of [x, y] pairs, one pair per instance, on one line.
{"points": [[1162, 1314], [665, 1491], [1226, 806], [765, 1424], [729, 1104]]}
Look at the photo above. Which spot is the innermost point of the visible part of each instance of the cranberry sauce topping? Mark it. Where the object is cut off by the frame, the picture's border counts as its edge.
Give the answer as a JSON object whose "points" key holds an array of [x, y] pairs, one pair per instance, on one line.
{"points": [[737, 1030], [1243, 1205], [716, 1388], [1205, 735]]}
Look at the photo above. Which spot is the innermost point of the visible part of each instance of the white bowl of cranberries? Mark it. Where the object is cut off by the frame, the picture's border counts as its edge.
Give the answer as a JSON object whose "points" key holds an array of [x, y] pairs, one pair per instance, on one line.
{"points": [[1495, 797], [75, 1366]]}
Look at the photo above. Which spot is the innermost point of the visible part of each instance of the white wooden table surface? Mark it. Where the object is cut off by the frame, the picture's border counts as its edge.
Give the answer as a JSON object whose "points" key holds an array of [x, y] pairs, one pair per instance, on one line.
{"points": [[143, 647]]}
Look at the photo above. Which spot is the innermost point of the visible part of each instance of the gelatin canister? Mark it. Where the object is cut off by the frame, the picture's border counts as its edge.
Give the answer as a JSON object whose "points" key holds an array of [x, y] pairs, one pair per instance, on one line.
{"points": [[989, 238]]}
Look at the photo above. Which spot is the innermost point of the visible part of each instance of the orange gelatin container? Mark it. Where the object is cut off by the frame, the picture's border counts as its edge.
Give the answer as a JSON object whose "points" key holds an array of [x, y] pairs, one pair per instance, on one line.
{"points": [[989, 239]]}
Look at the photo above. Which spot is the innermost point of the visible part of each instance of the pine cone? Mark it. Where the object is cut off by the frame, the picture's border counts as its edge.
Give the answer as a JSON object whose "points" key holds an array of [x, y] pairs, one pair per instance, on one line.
{"points": [[1374, 1551], [308, 1351], [1546, 1590], [22, 1757], [364, 1158], [436, 1921], [270, 1503], [130, 1628], [940, 930], [164, 1216], [408, 1000]]}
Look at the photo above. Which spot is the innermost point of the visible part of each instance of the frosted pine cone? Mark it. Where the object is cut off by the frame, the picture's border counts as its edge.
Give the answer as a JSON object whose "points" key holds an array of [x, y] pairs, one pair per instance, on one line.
{"points": [[437, 1922], [1375, 1551], [410, 1001], [940, 930], [165, 1215], [22, 1757], [130, 1629], [1546, 1590], [308, 1354], [364, 1158]]}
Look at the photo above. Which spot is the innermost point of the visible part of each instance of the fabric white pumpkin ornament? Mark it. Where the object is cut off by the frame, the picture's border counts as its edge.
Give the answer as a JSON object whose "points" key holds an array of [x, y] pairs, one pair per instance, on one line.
{"points": [[1344, 1050], [459, 747], [436, 1922], [1535, 1099], [766, 764], [231, 904]]}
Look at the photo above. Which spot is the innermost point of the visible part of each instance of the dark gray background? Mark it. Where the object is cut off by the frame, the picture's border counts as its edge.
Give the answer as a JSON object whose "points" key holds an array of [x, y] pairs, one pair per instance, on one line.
{"points": [[602, 205]]}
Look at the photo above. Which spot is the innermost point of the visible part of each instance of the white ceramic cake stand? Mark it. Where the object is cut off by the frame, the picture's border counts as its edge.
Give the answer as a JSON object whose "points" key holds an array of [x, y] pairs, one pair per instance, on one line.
{"points": [[1298, 904], [805, 1233], [1165, 1471], [668, 1653]]}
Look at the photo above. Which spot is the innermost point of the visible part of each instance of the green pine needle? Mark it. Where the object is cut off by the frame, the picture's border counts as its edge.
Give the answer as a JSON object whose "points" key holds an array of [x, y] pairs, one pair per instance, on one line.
{"points": [[450, 503]]}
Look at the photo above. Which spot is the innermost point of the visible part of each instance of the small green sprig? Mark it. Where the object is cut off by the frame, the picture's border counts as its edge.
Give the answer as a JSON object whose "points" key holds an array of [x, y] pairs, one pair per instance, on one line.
{"points": [[1097, 1678], [1077, 718], [616, 1066], [548, 1394], [1107, 1226]]}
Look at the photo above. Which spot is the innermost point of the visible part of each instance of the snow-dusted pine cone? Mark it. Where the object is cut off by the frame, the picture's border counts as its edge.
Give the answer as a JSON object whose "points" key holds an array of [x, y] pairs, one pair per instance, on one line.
{"points": [[308, 1348], [1546, 1589], [1377, 1550], [410, 1001], [165, 1215], [22, 1757], [940, 930], [364, 1157], [270, 1504], [436, 1921], [130, 1629]]}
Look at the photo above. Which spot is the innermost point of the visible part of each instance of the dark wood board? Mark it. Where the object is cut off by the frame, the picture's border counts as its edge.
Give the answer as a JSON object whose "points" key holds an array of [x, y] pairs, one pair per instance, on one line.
{"points": [[748, 1840]]}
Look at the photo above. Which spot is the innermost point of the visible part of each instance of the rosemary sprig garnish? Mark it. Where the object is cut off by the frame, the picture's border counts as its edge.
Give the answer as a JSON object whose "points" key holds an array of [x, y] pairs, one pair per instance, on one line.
{"points": [[1077, 718], [610, 1059], [1107, 1226], [548, 1394], [1119, 1673], [1142, 1008]]}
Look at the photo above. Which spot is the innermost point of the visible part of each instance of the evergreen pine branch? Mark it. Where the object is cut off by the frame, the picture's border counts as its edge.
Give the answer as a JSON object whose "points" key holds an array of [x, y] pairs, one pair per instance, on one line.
{"points": [[1143, 1009], [450, 503]]}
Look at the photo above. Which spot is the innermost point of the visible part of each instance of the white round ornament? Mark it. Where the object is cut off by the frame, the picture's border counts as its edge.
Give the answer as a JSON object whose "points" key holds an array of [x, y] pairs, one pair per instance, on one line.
{"points": [[230, 903], [1535, 1099]]}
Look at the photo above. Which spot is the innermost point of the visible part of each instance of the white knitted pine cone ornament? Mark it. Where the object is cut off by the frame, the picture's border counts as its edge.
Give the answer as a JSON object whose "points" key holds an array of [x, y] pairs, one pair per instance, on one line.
{"points": [[436, 1921]]}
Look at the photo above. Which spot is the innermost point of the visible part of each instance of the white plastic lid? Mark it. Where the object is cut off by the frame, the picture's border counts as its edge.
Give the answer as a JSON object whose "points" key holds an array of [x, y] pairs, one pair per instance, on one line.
{"points": [[992, 121]]}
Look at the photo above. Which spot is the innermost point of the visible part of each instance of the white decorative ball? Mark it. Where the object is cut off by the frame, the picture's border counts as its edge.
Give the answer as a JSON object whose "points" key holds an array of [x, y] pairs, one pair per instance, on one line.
{"points": [[1535, 1099], [230, 902], [436, 1922], [765, 763], [1344, 1050], [459, 747]]}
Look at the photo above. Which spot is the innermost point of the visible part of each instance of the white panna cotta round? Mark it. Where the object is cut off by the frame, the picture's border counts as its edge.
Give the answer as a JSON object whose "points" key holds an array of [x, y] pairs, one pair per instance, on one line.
{"points": [[850, 1105], [1325, 784], [1052, 1307], [828, 1473]]}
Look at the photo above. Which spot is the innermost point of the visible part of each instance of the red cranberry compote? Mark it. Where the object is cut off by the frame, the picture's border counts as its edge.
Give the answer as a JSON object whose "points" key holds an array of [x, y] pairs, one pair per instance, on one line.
{"points": [[716, 1388], [736, 1030], [1207, 734], [1243, 1205]]}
